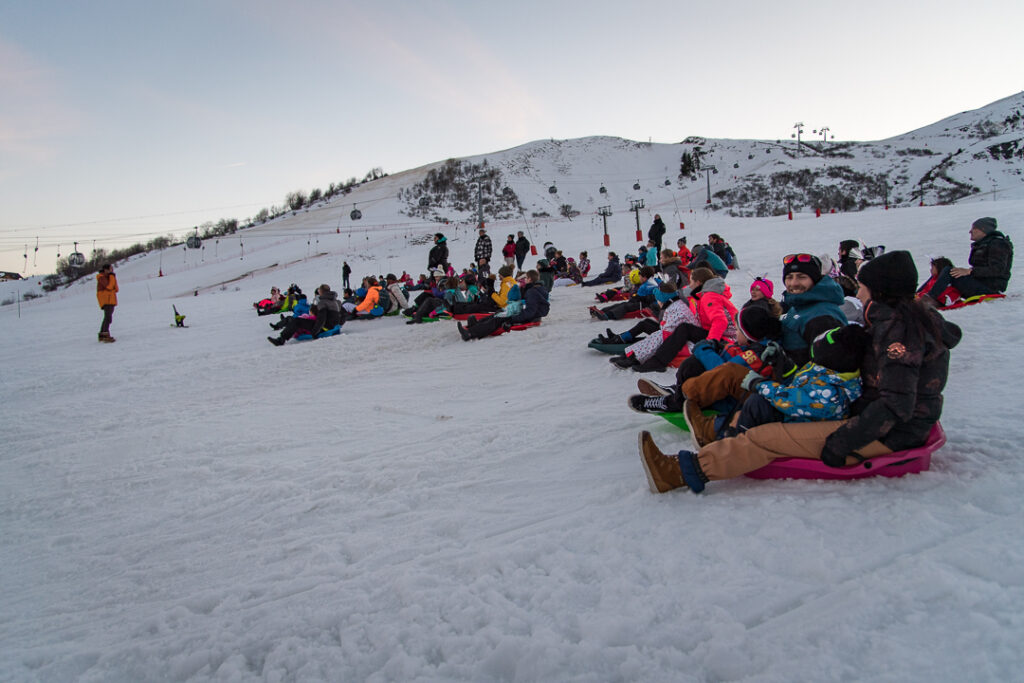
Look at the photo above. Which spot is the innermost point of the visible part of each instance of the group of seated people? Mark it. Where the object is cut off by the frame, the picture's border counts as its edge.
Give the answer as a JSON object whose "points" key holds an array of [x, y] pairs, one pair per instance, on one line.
{"points": [[850, 363]]}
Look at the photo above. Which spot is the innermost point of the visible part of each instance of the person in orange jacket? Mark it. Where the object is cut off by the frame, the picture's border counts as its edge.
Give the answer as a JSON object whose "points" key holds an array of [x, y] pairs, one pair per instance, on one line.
{"points": [[106, 295], [372, 298]]}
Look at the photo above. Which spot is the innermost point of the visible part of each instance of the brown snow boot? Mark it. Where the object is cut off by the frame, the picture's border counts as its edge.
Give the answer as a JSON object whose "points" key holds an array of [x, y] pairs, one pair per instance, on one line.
{"points": [[702, 427], [662, 470]]}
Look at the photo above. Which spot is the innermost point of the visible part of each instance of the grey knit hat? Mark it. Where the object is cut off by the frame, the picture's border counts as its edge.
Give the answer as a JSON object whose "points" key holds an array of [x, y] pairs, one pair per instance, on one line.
{"points": [[987, 225]]}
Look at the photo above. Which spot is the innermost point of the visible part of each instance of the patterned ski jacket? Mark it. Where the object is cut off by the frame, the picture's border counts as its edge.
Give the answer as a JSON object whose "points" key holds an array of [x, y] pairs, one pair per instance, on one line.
{"points": [[815, 393]]}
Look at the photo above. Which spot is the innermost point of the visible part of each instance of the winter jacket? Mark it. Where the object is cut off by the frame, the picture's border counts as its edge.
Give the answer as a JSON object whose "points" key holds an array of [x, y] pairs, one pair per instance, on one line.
{"points": [[848, 266], [370, 301], [301, 307], [584, 266], [710, 259], [670, 267], [610, 274], [903, 383], [715, 310], [652, 258], [483, 248], [656, 231], [522, 247], [328, 311], [535, 304], [814, 393], [501, 296], [748, 355], [398, 298], [547, 274], [800, 324], [991, 260], [106, 289], [677, 313], [509, 250], [438, 257]]}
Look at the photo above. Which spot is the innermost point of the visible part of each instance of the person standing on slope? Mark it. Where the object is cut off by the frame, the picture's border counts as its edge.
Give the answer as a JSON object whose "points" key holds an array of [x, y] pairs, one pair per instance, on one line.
{"points": [[656, 232], [106, 295]]}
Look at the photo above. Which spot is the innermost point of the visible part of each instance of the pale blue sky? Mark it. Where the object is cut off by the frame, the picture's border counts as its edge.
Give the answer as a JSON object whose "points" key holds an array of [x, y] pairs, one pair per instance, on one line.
{"points": [[183, 112]]}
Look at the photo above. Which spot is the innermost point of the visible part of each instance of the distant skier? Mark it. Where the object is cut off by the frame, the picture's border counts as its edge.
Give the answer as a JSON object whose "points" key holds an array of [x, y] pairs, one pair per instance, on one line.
{"points": [[346, 271], [106, 295]]}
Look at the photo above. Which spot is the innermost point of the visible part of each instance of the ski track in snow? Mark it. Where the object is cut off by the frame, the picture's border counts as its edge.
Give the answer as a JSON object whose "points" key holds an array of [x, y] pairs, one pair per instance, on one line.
{"points": [[395, 504]]}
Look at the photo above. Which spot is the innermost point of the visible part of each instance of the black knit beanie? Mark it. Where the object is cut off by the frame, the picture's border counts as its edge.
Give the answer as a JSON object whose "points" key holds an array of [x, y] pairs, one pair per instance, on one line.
{"points": [[842, 349], [986, 225], [757, 323], [892, 274], [811, 268]]}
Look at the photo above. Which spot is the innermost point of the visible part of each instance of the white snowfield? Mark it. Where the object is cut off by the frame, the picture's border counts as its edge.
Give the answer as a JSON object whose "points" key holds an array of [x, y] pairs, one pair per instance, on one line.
{"points": [[394, 504]]}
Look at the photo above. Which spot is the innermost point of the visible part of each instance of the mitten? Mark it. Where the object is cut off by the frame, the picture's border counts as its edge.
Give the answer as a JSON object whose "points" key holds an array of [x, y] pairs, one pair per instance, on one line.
{"points": [[833, 453], [751, 380]]}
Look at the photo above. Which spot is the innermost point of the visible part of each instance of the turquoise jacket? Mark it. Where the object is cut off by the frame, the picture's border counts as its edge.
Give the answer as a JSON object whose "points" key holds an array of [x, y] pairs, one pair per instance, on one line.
{"points": [[824, 298]]}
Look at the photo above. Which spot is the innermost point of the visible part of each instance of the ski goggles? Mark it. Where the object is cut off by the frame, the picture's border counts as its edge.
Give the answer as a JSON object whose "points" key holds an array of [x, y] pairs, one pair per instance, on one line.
{"points": [[799, 258]]}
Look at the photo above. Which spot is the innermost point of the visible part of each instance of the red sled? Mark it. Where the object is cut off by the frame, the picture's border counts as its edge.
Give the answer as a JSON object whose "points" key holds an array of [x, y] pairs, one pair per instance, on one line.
{"points": [[642, 313], [520, 326], [970, 301], [893, 465], [465, 316]]}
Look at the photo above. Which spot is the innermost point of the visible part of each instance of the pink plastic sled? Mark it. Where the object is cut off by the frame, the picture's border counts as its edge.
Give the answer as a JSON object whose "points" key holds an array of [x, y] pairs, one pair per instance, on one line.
{"points": [[893, 465]]}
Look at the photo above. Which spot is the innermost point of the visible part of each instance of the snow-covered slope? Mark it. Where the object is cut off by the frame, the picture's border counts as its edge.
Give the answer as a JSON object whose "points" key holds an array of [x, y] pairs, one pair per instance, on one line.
{"points": [[395, 504]]}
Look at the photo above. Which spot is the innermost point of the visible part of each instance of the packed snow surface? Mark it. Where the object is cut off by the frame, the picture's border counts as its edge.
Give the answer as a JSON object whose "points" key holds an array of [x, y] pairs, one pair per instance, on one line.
{"points": [[394, 504]]}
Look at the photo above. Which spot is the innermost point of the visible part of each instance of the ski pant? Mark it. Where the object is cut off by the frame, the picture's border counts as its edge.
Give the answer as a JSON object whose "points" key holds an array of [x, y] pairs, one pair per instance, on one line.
{"points": [[645, 326], [756, 448], [108, 315], [427, 306], [968, 285], [294, 325], [616, 311], [757, 410], [485, 327], [674, 343]]}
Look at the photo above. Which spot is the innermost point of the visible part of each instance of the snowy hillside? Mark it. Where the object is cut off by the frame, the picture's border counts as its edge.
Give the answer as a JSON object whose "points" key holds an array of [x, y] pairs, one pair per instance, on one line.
{"points": [[394, 504]]}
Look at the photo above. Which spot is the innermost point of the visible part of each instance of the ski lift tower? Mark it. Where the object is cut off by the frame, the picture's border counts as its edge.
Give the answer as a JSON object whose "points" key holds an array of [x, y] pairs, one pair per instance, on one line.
{"points": [[635, 205], [799, 129], [604, 212], [708, 170]]}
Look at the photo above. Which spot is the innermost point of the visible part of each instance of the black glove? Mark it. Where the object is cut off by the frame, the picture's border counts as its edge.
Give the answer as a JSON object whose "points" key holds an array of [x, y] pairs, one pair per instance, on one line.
{"points": [[833, 454], [779, 360], [506, 326]]}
